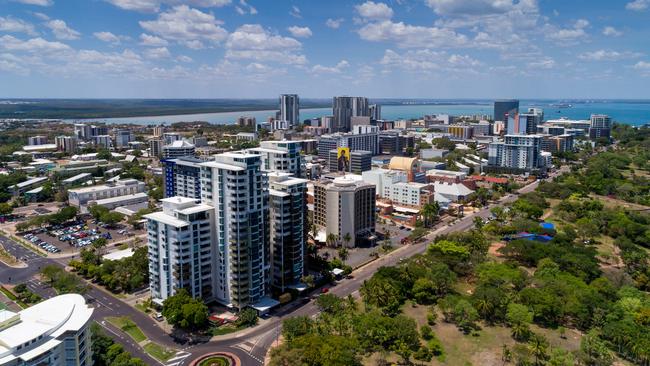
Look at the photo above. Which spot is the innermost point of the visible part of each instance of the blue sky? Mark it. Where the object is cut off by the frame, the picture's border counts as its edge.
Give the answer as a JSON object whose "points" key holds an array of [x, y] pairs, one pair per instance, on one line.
{"points": [[320, 48]]}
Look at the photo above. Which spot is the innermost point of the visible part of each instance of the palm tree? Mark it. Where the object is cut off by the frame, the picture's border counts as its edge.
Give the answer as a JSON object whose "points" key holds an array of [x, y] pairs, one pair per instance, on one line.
{"points": [[343, 253], [429, 212], [520, 331], [538, 346], [331, 239], [347, 238]]}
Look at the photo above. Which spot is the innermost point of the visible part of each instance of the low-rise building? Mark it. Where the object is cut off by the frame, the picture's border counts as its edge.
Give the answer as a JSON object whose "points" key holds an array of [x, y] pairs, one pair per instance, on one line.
{"points": [[81, 197], [22, 187]]}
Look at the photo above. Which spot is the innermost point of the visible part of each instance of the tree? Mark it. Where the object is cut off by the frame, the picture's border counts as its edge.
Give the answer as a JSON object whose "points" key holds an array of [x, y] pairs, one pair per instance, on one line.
{"points": [[429, 212], [99, 245], [593, 351], [478, 222], [247, 317], [346, 238], [5, 208], [111, 218], [586, 229], [295, 327], [343, 252], [185, 312], [538, 347], [331, 239], [308, 280]]}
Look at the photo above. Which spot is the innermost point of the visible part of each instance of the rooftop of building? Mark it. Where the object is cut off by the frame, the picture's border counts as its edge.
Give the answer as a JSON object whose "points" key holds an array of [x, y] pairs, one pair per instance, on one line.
{"points": [[124, 198], [36, 148], [48, 319], [30, 182], [100, 187], [402, 163], [179, 144]]}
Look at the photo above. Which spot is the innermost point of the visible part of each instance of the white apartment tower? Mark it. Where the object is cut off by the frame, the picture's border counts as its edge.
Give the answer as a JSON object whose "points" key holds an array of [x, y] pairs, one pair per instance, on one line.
{"points": [[290, 109], [234, 184], [181, 252], [281, 156]]}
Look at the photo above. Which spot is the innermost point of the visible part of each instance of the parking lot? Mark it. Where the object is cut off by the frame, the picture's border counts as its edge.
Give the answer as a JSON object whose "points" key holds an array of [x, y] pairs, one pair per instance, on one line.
{"points": [[72, 237]]}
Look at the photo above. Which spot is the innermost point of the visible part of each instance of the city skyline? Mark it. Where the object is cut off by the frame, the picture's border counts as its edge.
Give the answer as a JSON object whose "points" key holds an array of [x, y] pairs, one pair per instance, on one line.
{"points": [[255, 49]]}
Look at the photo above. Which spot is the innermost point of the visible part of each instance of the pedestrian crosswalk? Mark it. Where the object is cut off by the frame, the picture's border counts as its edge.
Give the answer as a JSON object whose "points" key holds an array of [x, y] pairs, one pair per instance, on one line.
{"points": [[178, 358]]}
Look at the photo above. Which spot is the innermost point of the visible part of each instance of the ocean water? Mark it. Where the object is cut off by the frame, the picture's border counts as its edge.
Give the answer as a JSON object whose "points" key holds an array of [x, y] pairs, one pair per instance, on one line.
{"points": [[633, 113]]}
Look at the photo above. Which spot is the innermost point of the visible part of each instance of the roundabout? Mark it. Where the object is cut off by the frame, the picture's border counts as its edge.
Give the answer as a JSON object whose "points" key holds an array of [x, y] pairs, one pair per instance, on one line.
{"points": [[217, 359]]}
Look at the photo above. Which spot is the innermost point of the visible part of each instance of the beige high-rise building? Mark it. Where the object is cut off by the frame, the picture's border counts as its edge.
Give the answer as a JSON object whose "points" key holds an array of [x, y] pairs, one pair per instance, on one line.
{"points": [[345, 206]]}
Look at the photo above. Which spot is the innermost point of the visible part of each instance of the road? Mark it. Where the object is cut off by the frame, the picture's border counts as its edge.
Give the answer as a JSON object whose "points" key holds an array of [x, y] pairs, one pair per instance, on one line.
{"points": [[250, 345]]}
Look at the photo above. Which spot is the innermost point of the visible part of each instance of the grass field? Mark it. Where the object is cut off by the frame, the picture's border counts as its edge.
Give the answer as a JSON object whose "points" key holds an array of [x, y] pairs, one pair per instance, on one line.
{"points": [[128, 327], [159, 352]]}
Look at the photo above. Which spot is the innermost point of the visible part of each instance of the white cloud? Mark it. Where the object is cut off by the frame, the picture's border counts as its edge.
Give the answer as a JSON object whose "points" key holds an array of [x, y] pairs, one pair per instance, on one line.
{"points": [[11, 43], [154, 5], [41, 16], [61, 30], [612, 32], [428, 61], [608, 55], [470, 7], [570, 35], [157, 53], [252, 41], [15, 25], [372, 10], [152, 41], [187, 26], [405, 35], [336, 69], [546, 63], [637, 5], [245, 8], [107, 37], [300, 32], [333, 23], [185, 59], [35, 2], [12, 64], [643, 67], [295, 12]]}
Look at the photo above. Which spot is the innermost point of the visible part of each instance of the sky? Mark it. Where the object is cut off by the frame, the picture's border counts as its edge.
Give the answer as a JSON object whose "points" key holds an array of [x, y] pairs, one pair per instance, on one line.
{"points": [[319, 48]]}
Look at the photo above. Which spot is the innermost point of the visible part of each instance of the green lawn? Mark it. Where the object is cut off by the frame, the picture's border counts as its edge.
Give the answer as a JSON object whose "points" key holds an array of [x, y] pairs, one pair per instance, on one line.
{"points": [[127, 326], [158, 352], [225, 329]]}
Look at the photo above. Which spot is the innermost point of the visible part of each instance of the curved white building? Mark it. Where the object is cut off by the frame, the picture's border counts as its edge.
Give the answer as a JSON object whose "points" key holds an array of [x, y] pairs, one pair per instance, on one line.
{"points": [[54, 332]]}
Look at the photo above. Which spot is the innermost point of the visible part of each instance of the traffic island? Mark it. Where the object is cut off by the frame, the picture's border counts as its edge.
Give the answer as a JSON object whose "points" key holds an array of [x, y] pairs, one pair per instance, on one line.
{"points": [[217, 359]]}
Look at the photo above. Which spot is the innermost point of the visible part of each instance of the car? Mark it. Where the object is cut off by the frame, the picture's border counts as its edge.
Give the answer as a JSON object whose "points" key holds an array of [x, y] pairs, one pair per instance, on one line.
{"points": [[158, 317], [324, 290]]}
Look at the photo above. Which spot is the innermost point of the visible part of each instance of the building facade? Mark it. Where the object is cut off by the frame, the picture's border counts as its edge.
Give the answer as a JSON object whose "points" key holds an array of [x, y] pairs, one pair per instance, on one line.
{"points": [[80, 197], [236, 187], [178, 149], [66, 144], [182, 177], [600, 126], [344, 108], [54, 332], [288, 229], [290, 109], [281, 156], [181, 250], [505, 108], [345, 207], [519, 152]]}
